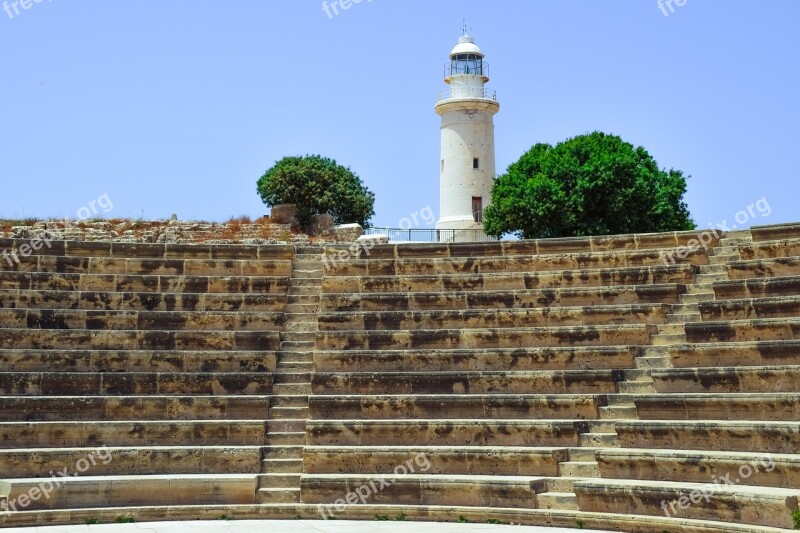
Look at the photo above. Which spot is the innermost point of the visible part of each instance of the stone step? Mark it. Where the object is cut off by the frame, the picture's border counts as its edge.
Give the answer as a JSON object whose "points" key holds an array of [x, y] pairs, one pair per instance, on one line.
{"points": [[670, 329], [56, 408], [288, 413], [303, 360], [279, 481], [484, 432], [282, 466], [117, 340], [646, 363], [692, 466], [429, 489], [579, 469], [618, 412], [80, 249], [668, 340], [599, 440], [307, 295], [306, 282], [288, 400], [711, 278], [114, 461], [755, 506], [512, 281], [719, 259], [298, 337], [301, 327], [474, 359], [716, 435], [762, 329], [473, 405], [141, 301], [449, 460], [282, 452], [286, 438], [80, 434], [683, 318], [756, 406], [280, 389], [711, 269], [752, 353], [141, 321], [757, 268], [582, 455], [80, 281], [624, 334], [292, 378], [482, 264], [651, 314], [302, 294], [166, 361], [482, 299], [564, 501], [705, 296], [750, 308], [278, 496], [302, 308], [117, 384], [298, 346], [286, 426], [316, 273], [151, 266], [684, 308], [728, 380], [420, 383], [76, 493], [636, 387], [295, 367]]}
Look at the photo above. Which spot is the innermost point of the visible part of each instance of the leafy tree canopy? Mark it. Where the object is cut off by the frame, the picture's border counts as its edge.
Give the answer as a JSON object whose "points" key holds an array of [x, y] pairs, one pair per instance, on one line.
{"points": [[316, 185], [593, 184]]}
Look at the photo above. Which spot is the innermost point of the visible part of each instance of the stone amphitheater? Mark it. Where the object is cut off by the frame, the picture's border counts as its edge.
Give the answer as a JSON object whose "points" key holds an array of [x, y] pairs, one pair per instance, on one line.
{"points": [[567, 382]]}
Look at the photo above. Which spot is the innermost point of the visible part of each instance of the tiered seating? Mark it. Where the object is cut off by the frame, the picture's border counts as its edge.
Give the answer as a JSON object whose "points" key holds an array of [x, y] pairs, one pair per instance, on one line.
{"points": [[728, 410], [145, 369], [493, 360]]}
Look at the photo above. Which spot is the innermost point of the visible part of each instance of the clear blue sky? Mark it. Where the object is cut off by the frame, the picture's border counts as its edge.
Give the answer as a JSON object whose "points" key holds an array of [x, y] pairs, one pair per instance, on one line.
{"points": [[179, 106]]}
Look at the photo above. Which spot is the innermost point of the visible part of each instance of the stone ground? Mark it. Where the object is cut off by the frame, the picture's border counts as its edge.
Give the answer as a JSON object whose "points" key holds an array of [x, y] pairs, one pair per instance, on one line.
{"points": [[289, 526]]}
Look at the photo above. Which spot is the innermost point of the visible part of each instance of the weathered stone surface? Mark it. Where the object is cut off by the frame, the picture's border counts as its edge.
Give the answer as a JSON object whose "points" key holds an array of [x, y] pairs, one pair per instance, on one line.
{"points": [[740, 504], [284, 214], [348, 232], [423, 405], [321, 224]]}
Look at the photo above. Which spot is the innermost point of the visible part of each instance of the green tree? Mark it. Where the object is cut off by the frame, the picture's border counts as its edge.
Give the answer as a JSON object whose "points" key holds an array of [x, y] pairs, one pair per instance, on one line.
{"points": [[593, 184], [316, 185]]}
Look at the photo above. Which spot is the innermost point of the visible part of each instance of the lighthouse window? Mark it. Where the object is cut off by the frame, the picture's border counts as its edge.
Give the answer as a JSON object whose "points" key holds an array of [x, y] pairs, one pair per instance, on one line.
{"points": [[476, 163]]}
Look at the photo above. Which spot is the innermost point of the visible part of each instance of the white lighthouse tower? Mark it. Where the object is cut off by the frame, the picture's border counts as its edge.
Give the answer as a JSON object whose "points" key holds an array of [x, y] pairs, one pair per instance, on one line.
{"points": [[467, 169]]}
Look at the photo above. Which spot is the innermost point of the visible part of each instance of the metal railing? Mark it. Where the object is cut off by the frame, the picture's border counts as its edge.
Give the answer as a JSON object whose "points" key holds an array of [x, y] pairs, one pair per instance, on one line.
{"points": [[431, 235], [454, 93]]}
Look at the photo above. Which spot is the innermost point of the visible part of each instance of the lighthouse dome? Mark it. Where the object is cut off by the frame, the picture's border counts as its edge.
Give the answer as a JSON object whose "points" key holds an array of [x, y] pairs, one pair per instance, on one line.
{"points": [[466, 45]]}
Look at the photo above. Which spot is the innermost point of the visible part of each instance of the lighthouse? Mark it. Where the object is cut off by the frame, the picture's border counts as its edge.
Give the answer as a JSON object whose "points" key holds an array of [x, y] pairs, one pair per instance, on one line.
{"points": [[467, 170]]}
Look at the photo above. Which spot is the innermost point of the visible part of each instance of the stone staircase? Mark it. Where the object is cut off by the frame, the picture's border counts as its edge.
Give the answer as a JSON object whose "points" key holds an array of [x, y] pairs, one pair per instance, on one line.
{"points": [[548, 382], [282, 460]]}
